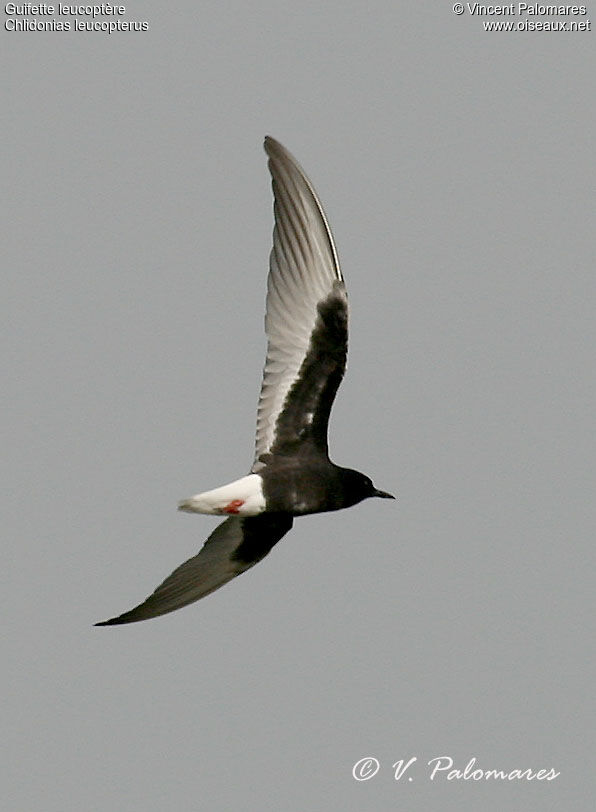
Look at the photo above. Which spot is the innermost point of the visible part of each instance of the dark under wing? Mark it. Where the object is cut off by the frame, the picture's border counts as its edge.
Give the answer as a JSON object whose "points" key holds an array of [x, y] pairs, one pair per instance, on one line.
{"points": [[306, 321], [234, 546], [301, 426]]}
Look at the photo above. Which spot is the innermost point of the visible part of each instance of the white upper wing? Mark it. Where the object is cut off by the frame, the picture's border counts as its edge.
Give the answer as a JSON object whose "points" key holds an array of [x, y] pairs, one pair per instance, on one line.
{"points": [[303, 272]]}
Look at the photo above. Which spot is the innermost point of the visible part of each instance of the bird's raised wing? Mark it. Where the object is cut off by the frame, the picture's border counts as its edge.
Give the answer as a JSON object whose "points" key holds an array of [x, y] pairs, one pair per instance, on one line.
{"points": [[234, 546], [306, 320]]}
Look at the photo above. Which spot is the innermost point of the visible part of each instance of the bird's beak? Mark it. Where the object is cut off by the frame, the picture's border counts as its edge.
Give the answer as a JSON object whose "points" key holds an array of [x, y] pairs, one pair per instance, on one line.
{"points": [[383, 494]]}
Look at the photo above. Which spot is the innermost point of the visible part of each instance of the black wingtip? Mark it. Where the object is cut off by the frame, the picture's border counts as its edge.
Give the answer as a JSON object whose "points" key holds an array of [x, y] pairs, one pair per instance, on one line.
{"points": [[144, 611], [127, 617], [273, 147]]}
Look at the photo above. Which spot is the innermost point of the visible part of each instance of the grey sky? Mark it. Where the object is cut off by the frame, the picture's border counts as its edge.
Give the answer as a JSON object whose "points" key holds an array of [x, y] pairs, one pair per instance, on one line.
{"points": [[456, 168]]}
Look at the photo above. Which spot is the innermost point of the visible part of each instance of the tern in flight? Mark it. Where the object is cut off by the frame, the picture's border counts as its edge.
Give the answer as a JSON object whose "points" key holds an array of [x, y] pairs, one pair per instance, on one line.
{"points": [[307, 330]]}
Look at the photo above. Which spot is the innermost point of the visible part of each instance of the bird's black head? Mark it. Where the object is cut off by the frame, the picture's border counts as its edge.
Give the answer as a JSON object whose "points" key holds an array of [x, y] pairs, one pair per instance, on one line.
{"points": [[357, 486]]}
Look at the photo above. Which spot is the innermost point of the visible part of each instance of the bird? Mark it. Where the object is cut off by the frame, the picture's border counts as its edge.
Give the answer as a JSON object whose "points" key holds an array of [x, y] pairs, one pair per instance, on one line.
{"points": [[306, 323]]}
